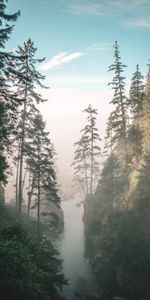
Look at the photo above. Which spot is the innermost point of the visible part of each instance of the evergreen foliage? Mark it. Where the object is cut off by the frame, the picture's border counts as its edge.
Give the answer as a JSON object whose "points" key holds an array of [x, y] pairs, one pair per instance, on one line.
{"points": [[118, 118], [26, 90], [136, 95], [136, 109], [29, 267], [81, 164], [86, 162], [29, 264], [117, 216], [146, 123], [40, 164], [8, 101]]}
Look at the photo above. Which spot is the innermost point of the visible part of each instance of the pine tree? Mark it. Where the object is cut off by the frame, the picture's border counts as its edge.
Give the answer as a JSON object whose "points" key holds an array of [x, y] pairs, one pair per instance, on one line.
{"points": [[40, 164], [8, 103], [107, 186], [146, 123], [90, 133], [26, 91], [136, 105], [31, 112], [86, 163], [118, 118], [108, 145], [81, 164], [136, 95]]}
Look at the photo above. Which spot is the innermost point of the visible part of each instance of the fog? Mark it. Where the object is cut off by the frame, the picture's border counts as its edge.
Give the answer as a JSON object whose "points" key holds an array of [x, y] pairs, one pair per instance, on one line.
{"points": [[64, 116], [72, 249]]}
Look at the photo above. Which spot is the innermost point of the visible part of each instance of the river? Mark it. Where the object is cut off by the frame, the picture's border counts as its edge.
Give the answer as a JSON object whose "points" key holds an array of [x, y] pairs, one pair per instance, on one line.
{"points": [[82, 284]]}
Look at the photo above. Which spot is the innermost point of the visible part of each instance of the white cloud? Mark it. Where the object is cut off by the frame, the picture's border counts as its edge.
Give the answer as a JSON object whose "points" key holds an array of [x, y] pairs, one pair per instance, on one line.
{"points": [[107, 8], [99, 47], [91, 9], [60, 59], [86, 9], [138, 23]]}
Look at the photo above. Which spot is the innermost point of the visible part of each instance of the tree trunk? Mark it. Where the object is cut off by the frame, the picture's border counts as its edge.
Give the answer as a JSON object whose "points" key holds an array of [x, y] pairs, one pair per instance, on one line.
{"points": [[38, 195], [22, 142], [22, 155], [17, 175], [86, 177], [91, 175], [123, 124], [30, 193]]}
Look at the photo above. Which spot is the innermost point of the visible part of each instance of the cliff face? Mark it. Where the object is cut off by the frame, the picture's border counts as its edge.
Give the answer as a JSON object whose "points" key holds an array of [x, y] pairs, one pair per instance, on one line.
{"points": [[117, 234]]}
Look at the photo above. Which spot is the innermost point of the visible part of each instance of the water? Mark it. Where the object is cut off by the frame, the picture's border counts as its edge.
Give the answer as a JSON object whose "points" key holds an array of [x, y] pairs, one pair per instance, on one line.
{"points": [[76, 268]]}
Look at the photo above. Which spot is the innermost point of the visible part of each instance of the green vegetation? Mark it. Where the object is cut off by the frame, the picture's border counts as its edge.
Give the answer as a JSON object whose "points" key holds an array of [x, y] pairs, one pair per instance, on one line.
{"points": [[26, 85], [117, 217], [117, 212], [8, 101], [29, 266], [86, 162]]}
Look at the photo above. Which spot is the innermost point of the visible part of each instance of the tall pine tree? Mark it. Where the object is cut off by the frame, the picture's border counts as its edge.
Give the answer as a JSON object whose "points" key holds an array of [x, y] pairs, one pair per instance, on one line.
{"points": [[86, 161], [118, 118], [8, 102], [81, 164], [136, 95], [90, 133], [40, 164], [136, 105], [146, 123], [26, 91]]}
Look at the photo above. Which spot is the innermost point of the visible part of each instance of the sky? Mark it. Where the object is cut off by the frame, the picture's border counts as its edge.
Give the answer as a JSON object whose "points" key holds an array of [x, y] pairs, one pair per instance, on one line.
{"points": [[76, 37]]}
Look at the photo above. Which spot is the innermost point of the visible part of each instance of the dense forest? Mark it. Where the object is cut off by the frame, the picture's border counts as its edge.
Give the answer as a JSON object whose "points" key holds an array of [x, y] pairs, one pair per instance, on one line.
{"points": [[117, 192], [29, 264], [116, 215]]}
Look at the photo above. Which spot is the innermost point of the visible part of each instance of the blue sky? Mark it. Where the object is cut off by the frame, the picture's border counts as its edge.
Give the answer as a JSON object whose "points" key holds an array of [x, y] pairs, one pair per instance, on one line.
{"points": [[85, 29], [77, 37]]}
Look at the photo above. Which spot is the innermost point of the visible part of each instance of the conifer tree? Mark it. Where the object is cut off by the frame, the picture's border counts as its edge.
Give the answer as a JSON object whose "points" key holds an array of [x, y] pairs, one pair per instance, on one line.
{"points": [[31, 112], [40, 164], [136, 105], [8, 102], [86, 162], [90, 133], [108, 146], [118, 118], [136, 95], [81, 164], [146, 123], [26, 91]]}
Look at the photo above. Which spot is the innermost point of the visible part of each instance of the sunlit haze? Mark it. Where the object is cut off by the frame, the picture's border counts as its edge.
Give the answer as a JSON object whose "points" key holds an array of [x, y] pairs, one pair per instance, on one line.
{"points": [[76, 38]]}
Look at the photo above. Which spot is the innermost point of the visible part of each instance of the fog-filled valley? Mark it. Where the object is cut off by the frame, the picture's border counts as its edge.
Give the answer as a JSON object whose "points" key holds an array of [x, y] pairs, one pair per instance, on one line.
{"points": [[74, 150]]}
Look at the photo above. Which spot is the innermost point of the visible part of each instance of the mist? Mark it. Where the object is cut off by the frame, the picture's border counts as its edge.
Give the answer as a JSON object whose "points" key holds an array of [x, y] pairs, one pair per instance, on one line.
{"points": [[74, 150]]}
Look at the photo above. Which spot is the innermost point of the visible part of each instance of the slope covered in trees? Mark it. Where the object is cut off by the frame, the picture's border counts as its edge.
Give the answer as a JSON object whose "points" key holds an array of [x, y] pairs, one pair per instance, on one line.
{"points": [[29, 264], [23, 138], [9, 103], [117, 216]]}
